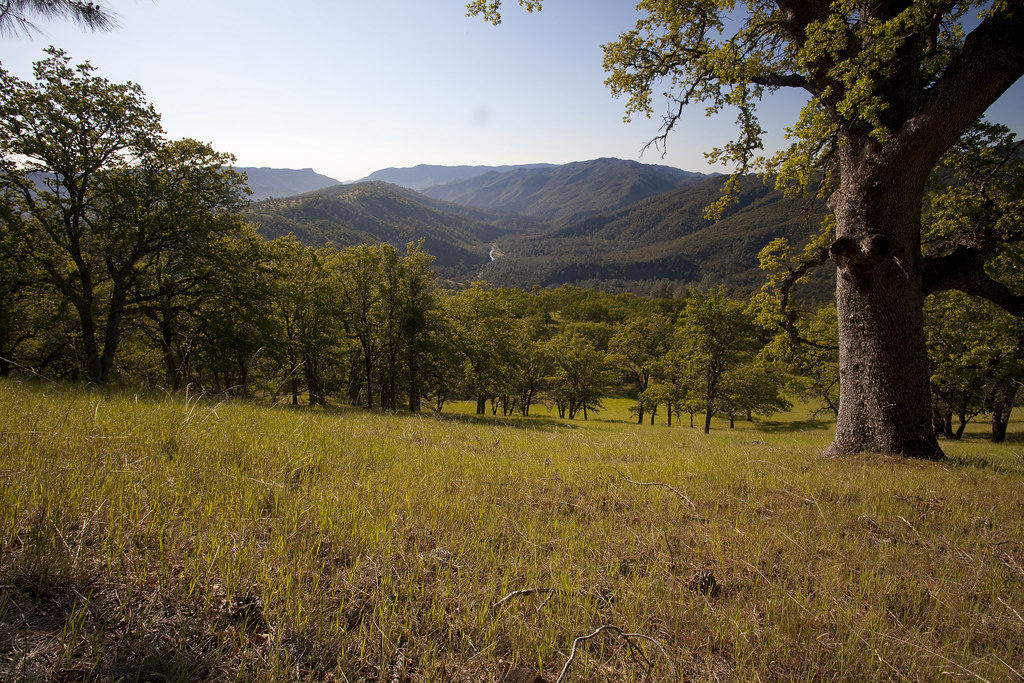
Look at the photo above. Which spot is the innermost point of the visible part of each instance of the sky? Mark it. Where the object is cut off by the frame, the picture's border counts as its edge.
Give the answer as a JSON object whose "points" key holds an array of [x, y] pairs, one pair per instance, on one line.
{"points": [[347, 87]]}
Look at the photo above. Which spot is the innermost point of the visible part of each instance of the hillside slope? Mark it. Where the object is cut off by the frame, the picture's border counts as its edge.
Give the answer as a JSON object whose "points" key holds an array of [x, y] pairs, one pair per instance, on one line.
{"points": [[569, 192], [283, 182], [662, 238], [423, 176], [369, 213], [571, 235]]}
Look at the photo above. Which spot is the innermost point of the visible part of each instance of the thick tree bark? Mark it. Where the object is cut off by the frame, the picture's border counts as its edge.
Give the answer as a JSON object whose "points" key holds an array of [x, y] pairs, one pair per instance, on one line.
{"points": [[885, 402]]}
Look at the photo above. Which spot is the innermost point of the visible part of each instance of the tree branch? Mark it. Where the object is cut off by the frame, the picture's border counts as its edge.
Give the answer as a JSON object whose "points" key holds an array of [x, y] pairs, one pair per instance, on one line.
{"points": [[964, 270], [785, 290], [990, 61], [774, 80], [682, 497], [800, 14], [526, 591]]}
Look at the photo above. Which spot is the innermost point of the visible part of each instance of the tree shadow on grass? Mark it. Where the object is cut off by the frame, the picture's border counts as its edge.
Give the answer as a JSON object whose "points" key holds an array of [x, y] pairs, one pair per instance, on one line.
{"points": [[50, 626], [998, 466], [532, 422], [810, 424]]}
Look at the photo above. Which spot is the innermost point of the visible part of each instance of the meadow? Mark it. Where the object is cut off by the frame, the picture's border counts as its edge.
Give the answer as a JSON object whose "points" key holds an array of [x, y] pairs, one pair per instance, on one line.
{"points": [[185, 538]]}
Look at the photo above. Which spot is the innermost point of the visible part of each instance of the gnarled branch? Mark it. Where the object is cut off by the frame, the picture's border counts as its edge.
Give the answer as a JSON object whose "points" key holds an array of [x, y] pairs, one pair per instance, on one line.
{"points": [[964, 270]]}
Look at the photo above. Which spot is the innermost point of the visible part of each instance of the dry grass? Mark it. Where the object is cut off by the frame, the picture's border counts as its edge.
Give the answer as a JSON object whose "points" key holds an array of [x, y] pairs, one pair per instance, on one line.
{"points": [[172, 538]]}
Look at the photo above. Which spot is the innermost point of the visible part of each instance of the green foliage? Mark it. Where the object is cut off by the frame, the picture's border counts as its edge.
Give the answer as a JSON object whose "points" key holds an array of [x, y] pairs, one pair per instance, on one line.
{"points": [[490, 9], [579, 377], [973, 214], [719, 337]]}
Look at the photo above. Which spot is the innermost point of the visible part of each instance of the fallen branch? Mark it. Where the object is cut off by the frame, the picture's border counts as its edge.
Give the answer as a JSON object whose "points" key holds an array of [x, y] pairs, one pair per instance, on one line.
{"points": [[526, 591], [661, 484], [629, 638]]}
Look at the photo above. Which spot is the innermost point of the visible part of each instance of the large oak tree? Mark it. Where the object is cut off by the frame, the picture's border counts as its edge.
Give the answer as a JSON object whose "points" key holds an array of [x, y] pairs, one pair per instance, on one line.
{"points": [[892, 85]]}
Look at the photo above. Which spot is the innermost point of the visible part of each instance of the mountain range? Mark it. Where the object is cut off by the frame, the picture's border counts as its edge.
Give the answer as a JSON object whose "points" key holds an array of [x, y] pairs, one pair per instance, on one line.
{"points": [[283, 182], [606, 223]]}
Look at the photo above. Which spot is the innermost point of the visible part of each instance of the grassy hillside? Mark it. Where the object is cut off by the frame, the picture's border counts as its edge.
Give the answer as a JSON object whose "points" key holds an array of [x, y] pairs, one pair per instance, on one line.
{"points": [[177, 538]]}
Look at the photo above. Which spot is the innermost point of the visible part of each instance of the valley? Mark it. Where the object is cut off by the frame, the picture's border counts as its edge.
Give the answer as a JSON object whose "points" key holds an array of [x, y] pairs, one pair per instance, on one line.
{"points": [[609, 224]]}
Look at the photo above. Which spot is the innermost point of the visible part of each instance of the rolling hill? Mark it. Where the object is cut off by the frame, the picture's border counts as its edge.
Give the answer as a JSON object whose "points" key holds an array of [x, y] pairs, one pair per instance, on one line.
{"points": [[568, 192], [663, 238], [423, 176]]}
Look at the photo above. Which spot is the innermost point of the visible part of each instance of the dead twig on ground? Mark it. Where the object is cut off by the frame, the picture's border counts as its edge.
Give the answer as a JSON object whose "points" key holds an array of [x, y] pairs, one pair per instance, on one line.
{"points": [[628, 638], [662, 484]]}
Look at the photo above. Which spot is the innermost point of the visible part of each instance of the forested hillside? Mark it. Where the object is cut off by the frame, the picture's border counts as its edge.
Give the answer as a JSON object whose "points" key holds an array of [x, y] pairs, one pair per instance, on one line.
{"points": [[666, 239], [422, 176], [566, 193]]}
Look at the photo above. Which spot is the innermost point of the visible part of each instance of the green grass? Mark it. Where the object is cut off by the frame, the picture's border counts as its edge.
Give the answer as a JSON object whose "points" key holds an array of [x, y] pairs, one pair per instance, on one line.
{"points": [[178, 538]]}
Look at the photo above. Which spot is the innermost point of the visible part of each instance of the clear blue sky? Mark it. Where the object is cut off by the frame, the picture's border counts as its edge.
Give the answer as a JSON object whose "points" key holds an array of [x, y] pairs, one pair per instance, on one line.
{"points": [[351, 86]]}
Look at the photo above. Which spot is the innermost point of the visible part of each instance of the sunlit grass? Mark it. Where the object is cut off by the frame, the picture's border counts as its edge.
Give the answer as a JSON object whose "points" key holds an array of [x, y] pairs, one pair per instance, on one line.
{"points": [[180, 538]]}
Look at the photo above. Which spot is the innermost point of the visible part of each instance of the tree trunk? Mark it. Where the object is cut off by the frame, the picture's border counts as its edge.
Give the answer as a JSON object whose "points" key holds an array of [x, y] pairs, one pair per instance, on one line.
{"points": [[707, 420], [1002, 404], [368, 369], [937, 422], [885, 400], [310, 366], [414, 378], [959, 433]]}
